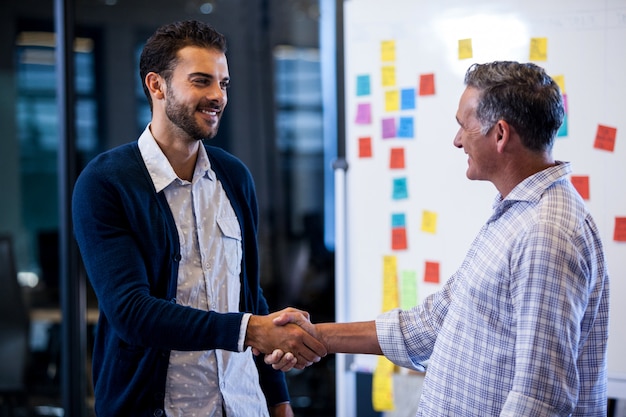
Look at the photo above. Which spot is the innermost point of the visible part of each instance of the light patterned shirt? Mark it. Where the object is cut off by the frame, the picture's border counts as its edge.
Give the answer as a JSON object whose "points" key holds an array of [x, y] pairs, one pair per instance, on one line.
{"points": [[205, 383], [521, 328]]}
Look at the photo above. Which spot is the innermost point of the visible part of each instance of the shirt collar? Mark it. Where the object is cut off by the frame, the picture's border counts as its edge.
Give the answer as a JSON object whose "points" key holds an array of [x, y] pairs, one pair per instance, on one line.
{"points": [[532, 188], [159, 167]]}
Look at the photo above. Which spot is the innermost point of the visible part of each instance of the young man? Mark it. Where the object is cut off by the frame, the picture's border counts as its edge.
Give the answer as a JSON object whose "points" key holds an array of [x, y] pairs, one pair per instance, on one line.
{"points": [[521, 328], [167, 230]]}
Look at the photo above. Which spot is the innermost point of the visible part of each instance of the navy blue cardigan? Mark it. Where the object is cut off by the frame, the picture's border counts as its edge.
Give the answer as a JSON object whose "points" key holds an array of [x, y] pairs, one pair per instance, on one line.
{"points": [[129, 245]]}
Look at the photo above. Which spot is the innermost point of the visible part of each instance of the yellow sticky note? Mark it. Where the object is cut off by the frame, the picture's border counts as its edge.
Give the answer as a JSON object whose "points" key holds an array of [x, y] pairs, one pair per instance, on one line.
{"points": [[388, 51], [429, 222], [389, 76], [390, 283], [392, 100], [539, 49], [465, 49], [382, 385], [560, 80]]}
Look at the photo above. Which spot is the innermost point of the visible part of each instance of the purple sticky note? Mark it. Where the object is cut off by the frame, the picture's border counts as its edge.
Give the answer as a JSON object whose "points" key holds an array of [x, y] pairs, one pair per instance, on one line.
{"points": [[364, 114], [389, 128]]}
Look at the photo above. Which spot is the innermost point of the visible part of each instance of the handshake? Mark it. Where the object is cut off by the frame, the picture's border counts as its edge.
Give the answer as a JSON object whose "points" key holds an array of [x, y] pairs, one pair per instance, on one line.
{"points": [[289, 340]]}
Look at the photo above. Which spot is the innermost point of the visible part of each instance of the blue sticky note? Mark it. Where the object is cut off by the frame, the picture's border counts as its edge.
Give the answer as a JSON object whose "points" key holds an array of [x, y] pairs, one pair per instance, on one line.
{"points": [[405, 128], [407, 98], [363, 85], [398, 220], [563, 129], [399, 189]]}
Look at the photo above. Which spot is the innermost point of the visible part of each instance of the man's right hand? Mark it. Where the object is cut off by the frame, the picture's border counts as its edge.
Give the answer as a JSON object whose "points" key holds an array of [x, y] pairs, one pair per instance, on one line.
{"points": [[288, 330], [280, 359]]}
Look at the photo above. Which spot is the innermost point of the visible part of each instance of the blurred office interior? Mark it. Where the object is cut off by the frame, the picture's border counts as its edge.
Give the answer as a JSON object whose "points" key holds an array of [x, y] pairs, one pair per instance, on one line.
{"points": [[273, 122]]}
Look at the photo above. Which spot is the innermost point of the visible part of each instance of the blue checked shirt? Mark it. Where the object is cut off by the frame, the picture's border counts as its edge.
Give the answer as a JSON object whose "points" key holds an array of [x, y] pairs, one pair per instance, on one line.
{"points": [[521, 328]]}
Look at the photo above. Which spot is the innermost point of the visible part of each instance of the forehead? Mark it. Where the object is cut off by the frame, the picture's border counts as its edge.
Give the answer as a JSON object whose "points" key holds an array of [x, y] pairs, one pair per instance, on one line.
{"points": [[193, 59], [468, 102]]}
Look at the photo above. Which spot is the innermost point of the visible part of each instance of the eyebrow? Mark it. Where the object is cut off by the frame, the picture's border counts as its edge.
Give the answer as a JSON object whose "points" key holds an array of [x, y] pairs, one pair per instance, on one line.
{"points": [[204, 74]]}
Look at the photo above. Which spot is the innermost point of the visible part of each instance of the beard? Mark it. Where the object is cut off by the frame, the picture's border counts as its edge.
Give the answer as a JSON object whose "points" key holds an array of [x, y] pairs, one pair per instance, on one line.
{"points": [[185, 119]]}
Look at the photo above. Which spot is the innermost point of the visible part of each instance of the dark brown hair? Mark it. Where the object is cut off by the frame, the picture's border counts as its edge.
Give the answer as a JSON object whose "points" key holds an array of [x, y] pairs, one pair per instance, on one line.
{"points": [[159, 54]]}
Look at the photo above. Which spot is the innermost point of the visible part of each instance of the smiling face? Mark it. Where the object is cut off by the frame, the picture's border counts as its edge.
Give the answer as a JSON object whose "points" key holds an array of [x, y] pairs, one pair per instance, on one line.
{"points": [[481, 149], [196, 93]]}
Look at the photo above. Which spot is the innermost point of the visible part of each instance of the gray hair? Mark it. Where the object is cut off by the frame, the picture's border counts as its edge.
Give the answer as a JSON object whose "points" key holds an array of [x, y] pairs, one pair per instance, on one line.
{"points": [[523, 95]]}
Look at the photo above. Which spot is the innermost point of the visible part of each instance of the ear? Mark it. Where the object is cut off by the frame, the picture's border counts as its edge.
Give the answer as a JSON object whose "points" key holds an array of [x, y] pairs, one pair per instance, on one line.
{"points": [[502, 130], [155, 85]]}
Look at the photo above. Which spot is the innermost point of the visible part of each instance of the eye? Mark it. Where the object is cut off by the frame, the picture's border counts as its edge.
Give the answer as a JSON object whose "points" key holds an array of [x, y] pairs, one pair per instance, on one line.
{"points": [[201, 81], [225, 84]]}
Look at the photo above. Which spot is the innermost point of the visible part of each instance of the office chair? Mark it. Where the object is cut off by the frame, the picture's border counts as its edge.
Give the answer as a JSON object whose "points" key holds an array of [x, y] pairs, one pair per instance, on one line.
{"points": [[14, 333]]}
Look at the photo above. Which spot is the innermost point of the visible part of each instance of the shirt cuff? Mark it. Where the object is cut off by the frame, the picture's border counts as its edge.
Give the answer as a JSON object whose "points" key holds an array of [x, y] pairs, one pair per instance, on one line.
{"points": [[243, 328]]}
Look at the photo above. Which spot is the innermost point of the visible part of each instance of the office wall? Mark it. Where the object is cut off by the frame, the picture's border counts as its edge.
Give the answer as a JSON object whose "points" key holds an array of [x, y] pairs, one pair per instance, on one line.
{"points": [[439, 209]]}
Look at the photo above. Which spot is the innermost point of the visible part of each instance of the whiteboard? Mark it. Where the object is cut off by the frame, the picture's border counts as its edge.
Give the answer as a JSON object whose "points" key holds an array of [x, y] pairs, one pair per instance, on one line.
{"points": [[586, 49]]}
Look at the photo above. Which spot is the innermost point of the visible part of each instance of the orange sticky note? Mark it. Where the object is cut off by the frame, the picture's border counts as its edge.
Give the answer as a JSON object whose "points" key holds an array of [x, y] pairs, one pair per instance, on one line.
{"points": [[398, 238], [605, 138], [396, 158], [431, 272], [619, 234], [581, 183], [365, 147], [427, 85]]}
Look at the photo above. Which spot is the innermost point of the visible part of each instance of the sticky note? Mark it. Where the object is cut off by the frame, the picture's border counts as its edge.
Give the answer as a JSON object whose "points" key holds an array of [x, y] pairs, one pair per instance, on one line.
{"points": [[539, 49], [365, 147], [563, 128], [560, 80], [389, 128], [562, 132], [363, 85], [390, 283], [605, 138], [363, 114], [399, 238], [619, 234], [408, 289], [398, 220], [388, 76], [427, 84], [405, 128], [388, 51], [392, 100], [400, 191], [465, 49], [429, 222], [581, 183], [407, 99], [382, 385], [396, 158], [431, 272]]}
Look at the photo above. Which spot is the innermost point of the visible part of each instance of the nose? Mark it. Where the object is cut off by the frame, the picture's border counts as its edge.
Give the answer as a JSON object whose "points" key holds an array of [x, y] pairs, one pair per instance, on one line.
{"points": [[216, 93], [457, 140]]}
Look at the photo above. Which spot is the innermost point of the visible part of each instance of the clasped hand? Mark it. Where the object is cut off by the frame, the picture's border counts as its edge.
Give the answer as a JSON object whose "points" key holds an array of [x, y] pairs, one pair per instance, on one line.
{"points": [[287, 338]]}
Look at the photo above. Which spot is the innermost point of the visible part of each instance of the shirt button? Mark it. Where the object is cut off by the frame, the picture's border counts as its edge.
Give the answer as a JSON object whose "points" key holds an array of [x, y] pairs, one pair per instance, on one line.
{"points": [[158, 412]]}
